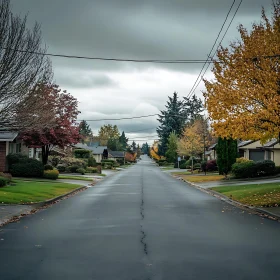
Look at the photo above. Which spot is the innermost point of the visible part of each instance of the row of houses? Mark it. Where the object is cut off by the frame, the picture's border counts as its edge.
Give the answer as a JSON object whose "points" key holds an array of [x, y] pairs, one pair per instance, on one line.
{"points": [[253, 150], [11, 144]]}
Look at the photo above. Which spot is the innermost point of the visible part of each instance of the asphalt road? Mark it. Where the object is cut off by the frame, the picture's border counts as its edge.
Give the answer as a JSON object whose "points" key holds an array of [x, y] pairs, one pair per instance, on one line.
{"points": [[141, 224]]}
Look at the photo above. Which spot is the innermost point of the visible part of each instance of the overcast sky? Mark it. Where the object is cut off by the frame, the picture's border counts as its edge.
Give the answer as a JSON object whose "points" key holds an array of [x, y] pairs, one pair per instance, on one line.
{"points": [[134, 29]]}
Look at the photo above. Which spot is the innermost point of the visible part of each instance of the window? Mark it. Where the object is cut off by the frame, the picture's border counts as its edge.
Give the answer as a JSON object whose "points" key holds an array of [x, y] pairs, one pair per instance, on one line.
{"points": [[268, 155], [256, 155]]}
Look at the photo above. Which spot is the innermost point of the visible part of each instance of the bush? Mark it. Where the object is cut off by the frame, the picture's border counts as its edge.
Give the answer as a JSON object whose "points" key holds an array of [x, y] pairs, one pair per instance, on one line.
{"points": [[82, 153], [92, 162], [211, 165], [91, 170], [51, 174], [183, 164], [244, 169], [264, 168], [68, 161], [107, 164], [242, 159], [107, 161], [7, 176], [16, 158], [3, 182], [197, 166], [28, 168], [48, 167], [203, 166], [74, 168], [116, 164], [277, 170], [81, 170], [53, 160], [61, 168]]}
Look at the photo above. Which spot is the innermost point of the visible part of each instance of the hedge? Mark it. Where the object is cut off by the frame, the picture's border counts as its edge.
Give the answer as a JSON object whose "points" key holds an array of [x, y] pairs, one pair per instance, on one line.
{"points": [[81, 170], [51, 174], [250, 169], [91, 170], [16, 158], [3, 182], [107, 160], [92, 162], [48, 167], [27, 168]]}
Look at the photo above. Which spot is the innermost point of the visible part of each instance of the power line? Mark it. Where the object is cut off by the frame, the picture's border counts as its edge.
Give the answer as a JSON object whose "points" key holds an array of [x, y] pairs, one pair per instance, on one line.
{"points": [[212, 48], [141, 130], [118, 119], [220, 45]]}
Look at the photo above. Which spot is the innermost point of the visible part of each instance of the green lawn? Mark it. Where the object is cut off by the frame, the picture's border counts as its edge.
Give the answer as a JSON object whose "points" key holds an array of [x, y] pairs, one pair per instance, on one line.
{"points": [[203, 178], [256, 195], [73, 177], [33, 191]]}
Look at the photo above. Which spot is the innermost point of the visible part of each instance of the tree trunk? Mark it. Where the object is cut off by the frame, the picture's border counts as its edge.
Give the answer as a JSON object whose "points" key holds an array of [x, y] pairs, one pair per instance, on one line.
{"points": [[45, 154]]}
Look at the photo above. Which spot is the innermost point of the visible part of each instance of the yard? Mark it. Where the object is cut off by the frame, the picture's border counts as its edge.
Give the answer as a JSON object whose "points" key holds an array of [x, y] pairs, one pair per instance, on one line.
{"points": [[264, 195], [23, 191], [199, 178]]}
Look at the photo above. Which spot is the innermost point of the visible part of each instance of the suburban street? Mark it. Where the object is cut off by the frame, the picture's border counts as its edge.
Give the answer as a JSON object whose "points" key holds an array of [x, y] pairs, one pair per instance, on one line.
{"points": [[140, 224]]}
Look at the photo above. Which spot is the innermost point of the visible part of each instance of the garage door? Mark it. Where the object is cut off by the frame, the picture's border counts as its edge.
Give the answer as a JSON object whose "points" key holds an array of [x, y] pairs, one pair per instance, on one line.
{"points": [[256, 155]]}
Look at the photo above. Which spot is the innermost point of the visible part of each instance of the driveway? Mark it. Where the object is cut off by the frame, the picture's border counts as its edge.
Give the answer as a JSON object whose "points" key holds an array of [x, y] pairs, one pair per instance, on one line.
{"points": [[141, 224]]}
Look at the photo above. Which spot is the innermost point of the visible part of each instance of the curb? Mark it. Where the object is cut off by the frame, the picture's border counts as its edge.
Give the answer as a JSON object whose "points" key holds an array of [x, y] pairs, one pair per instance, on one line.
{"points": [[38, 206], [253, 210]]}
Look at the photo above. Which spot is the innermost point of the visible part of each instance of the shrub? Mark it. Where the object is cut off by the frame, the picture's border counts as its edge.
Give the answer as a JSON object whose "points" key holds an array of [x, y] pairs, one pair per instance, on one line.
{"points": [[116, 164], [51, 174], [203, 166], [82, 153], [211, 165], [107, 164], [197, 166], [53, 160], [277, 170], [183, 164], [91, 169], [92, 162], [68, 161], [264, 168], [74, 168], [81, 170], [244, 169], [107, 161], [29, 168], [3, 182], [61, 168], [242, 159], [16, 158], [48, 167], [7, 176]]}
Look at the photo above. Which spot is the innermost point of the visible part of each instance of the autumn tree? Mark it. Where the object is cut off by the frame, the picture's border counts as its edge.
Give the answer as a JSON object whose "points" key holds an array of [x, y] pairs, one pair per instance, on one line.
{"points": [[108, 131], [171, 153], [20, 70], [64, 132], [227, 153], [191, 143], [243, 100]]}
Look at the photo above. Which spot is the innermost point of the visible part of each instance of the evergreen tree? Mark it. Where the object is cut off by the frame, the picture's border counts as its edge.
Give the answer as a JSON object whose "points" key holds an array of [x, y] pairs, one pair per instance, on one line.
{"points": [[193, 107], [146, 149], [85, 131], [123, 141], [171, 119], [133, 147], [114, 144], [171, 153], [226, 154]]}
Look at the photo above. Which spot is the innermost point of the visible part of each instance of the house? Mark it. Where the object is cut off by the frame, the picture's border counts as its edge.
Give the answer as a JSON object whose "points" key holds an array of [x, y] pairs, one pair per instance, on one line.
{"points": [[97, 151], [116, 155], [254, 150], [211, 153]]}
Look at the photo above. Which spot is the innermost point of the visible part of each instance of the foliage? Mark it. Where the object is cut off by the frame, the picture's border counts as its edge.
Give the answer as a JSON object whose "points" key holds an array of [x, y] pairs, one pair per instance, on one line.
{"points": [[211, 165], [91, 162], [7, 176], [91, 169], [226, 154], [68, 161], [107, 160], [108, 131], [54, 160], [48, 167], [15, 158], [203, 166], [146, 149], [171, 153], [130, 157], [81, 171], [191, 141], [193, 107], [114, 144], [243, 100], [85, 132], [3, 182], [196, 166], [277, 170], [252, 169], [73, 168], [51, 174], [123, 141], [242, 159], [27, 168], [82, 153], [61, 168], [64, 132]]}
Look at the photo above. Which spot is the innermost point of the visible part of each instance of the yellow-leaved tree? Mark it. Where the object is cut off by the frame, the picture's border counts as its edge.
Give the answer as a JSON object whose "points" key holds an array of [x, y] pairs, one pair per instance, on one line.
{"points": [[243, 100]]}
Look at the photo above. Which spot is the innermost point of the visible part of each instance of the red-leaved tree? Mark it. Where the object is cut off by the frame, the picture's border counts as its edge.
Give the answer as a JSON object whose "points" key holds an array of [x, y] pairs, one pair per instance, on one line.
{"points": [[64, 131]]}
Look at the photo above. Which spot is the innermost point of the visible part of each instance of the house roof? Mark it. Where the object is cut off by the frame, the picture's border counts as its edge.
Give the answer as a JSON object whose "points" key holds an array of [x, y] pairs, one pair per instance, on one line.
{"points": [[98, 150], [270, 143], [208, 153], [117, 154], [244, 143], [7, 136], [82, 146], [213, 146]]}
